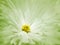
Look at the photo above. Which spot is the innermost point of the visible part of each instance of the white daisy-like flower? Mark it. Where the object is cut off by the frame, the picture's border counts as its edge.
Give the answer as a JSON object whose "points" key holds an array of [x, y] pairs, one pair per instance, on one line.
{"points": [[29, 22]]}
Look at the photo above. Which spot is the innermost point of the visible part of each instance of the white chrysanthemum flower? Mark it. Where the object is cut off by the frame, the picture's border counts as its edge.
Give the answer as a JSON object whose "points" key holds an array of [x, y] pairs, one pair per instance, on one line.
{"points": [[29, 22]]}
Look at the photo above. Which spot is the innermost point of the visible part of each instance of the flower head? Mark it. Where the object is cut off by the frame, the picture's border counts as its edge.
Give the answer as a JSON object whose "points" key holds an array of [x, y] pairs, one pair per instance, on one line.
{"points": [[29, 22]]}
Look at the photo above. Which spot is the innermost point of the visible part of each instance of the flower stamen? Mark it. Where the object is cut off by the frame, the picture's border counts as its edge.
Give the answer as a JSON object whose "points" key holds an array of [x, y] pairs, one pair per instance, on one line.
{"points": [[26, 28]]}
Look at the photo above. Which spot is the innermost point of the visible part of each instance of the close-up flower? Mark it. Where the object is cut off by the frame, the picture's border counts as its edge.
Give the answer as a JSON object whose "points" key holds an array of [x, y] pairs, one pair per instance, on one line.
{"points": [[29, 22]]}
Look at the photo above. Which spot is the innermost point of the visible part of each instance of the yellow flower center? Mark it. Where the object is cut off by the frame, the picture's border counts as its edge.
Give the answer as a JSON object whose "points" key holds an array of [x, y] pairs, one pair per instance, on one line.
{"points": [[26, 28]]}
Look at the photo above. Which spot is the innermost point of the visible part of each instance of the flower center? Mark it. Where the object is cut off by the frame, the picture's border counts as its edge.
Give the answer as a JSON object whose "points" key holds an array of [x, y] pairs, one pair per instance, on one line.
{"points": [[26, 28]]}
